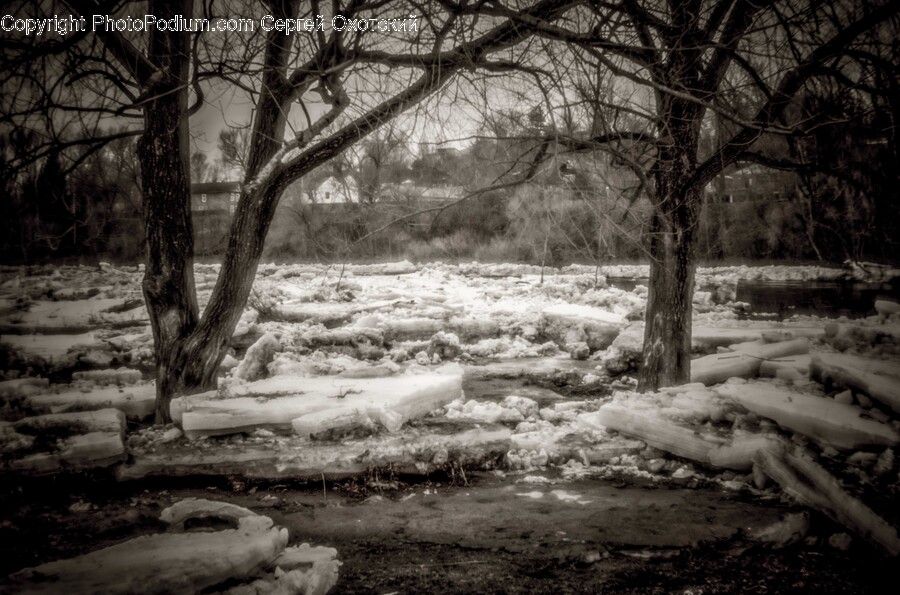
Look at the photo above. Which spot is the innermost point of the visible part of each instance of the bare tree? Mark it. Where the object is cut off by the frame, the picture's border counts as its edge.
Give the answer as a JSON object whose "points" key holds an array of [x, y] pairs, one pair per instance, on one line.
{"points": [[672, 67], [234, 146], [318, 92], [393, 54]]}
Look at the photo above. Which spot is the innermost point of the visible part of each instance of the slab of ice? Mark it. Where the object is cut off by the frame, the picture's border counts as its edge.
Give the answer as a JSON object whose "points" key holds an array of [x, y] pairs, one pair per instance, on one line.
{"points": [[103, 420], [200, 508], [887, 307], [109, 376], [743, 363], [330, 315], [276, 402], [584, 313], [79, 314], [412, 328], [530, 368], [136, 402], [655, 430], [83, 440], [162, 563], [341, 416], [413, 450], [772, 368], [880, 379], [49, 346], [298, 569], [403, 267], [22, 387], [573, 323], [810, 484], [824, 420]]}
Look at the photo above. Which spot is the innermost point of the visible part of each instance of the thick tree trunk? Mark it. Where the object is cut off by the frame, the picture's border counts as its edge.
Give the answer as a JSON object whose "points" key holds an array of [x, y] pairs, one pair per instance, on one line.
{"points": [[162, 151], [193, 361], [189, 349], [667, 335]]}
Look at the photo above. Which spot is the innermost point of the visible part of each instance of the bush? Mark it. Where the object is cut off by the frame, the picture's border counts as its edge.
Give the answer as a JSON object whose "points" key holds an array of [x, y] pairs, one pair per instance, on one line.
{"points": [[503, 249], [460, 245], [483, 217]]}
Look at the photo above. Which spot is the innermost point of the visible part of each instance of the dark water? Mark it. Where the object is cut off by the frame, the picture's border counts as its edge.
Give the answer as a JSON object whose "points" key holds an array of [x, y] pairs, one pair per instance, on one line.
{"points": [[820, 298], [783, 299]]}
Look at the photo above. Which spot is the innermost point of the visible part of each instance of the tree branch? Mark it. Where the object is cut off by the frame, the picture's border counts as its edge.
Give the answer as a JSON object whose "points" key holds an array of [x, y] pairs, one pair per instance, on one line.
{"points": [[783, 95]]}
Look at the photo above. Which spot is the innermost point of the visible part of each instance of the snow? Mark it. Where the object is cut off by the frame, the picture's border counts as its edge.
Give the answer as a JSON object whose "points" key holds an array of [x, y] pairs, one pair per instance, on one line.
{"points": [[258, 356], [483, 412], [326, 354]]}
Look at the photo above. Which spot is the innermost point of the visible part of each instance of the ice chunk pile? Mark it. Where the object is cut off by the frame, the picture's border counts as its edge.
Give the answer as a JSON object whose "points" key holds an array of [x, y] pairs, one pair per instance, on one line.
{"points": [[252, 551], [314, 405]]}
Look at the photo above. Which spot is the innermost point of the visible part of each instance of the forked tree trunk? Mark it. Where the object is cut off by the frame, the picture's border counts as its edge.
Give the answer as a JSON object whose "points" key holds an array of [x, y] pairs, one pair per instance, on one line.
{"points": [[190, 363], [189, 349], [163, 149]]}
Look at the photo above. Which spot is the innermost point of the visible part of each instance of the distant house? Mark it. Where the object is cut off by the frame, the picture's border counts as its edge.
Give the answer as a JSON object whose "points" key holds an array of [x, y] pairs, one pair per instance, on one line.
{"points": [[408, 191], [751, 183], [212, 207], [442, 193], [215, 196], [332, 191]]}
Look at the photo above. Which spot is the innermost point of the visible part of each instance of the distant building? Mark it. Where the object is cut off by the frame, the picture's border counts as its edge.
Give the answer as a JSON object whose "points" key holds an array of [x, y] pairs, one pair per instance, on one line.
{"points": [[751, 183], [212, 207], [215, 196], [408, 192], [333, 190], [442, 193]]}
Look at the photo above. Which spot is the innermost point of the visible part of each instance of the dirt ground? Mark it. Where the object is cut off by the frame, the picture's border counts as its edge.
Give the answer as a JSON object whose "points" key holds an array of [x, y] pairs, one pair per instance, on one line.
{"points": [[493, 535]]}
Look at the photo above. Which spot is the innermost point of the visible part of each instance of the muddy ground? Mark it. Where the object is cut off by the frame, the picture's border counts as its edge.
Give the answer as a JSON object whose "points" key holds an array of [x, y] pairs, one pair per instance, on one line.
{"points": [[487, 534]]}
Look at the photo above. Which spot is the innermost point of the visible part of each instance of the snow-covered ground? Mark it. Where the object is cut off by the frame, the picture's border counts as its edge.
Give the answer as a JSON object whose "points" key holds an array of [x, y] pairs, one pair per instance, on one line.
{"points": [[336, 369]]}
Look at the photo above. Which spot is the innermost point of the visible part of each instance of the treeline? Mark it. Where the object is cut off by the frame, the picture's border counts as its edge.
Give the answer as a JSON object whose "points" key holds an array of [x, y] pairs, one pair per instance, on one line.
{"points": [[828, 196], [55, 209], [843, 203]]}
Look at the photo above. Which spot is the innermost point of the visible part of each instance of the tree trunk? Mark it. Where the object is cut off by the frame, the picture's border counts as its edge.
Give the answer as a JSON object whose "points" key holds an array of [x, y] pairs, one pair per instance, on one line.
{"points": [[163, 149], [667, 334], [189, 349], [673, 226]]}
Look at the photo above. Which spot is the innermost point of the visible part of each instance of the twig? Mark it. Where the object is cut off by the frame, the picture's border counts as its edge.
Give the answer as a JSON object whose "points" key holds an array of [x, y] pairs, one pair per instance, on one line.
{"points": [[337, 287]]}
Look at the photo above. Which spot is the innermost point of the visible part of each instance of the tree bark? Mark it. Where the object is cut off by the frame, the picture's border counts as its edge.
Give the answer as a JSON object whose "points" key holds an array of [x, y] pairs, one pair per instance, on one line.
{"points": [[192, 362], [667, 334], [162, 150]]}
